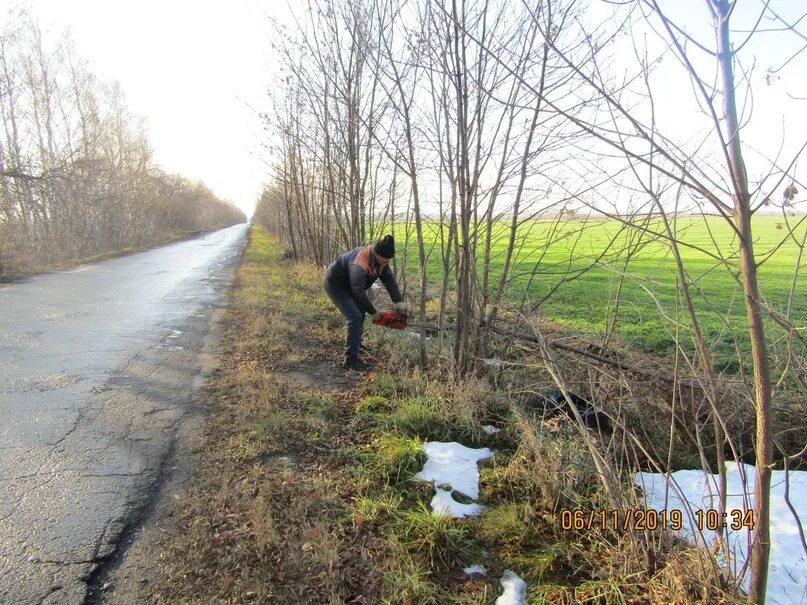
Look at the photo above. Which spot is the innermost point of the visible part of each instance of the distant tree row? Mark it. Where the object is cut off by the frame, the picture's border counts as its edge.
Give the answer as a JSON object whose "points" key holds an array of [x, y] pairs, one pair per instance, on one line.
{"points": [[77, 176]]}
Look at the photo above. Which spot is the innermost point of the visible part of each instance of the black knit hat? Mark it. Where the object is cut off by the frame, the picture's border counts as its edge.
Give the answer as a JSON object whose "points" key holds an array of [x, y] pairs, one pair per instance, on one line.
{"points": [[385, 247]]}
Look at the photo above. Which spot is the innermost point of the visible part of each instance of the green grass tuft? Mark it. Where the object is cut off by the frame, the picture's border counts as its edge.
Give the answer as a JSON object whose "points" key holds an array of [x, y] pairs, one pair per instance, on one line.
{"points": [[506, 524], [408, 581], [322, 407], [443, 542], [427, 418], [374, 404], [391, 458], [378, 507]]}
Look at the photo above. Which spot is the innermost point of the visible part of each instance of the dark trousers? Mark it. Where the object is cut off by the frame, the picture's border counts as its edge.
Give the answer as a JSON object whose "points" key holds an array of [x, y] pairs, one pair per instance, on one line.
{"points": [[354, 318]]}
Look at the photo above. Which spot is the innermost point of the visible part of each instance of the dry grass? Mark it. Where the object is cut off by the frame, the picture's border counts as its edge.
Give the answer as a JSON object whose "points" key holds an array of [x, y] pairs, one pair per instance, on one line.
{"points": [[18, 262], [306, 495], [269, 518]]}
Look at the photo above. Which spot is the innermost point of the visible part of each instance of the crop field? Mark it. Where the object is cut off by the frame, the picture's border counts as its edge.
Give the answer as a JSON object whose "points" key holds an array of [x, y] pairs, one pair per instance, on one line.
{"points": [[572, 271]]}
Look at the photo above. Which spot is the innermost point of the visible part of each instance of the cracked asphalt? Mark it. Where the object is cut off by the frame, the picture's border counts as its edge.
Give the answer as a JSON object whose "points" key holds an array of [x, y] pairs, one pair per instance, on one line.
{"points": [[98, 370]]}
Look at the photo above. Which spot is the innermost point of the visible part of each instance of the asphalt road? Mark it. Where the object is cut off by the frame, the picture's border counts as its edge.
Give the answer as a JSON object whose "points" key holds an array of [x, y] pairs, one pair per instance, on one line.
{"points": [[98, 370]]}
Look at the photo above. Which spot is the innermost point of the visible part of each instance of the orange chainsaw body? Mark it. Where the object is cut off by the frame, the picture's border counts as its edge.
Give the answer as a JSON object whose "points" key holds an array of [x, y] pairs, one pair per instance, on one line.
{"points": [[391, 319]]}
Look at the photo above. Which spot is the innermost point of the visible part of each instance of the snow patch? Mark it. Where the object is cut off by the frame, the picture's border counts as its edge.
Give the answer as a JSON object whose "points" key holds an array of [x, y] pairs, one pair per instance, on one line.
{"points": [[452, 468], [490, 429], [415, 335], [696, 490], [475, 570], [443, 503], [515, 589], [455, 465]]}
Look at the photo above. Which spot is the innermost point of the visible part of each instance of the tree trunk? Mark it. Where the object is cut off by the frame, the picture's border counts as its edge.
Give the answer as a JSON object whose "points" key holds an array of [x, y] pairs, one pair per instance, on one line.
{"points": [[760, 547]]}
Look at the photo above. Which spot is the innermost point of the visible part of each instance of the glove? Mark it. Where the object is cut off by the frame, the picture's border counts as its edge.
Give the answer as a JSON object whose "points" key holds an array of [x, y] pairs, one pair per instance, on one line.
{"points": [[376, 316], [401, 308]]}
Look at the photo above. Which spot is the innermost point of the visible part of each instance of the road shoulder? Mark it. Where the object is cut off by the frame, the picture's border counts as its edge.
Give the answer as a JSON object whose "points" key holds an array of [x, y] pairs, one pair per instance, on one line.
{"points": [[128, 574]]}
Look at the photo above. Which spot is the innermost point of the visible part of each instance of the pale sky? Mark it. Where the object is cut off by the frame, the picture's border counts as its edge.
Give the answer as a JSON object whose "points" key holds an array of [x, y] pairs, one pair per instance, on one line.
{"points": [[197, 70]]}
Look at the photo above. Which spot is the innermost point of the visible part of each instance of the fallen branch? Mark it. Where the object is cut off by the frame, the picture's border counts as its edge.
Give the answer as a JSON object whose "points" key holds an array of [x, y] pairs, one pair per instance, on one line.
{"points": [[624, 366]]}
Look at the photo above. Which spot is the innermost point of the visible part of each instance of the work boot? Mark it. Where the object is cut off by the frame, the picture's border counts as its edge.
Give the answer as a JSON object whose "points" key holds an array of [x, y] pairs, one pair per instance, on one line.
{"points": [[354, 363]]}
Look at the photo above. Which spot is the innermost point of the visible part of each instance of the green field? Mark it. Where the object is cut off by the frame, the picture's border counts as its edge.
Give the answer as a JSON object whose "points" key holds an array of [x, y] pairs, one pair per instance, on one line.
{"points": [[583, 262]]}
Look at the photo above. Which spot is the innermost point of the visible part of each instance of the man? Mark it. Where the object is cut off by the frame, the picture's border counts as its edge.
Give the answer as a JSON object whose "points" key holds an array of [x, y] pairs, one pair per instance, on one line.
{"points": [[346, 282]]}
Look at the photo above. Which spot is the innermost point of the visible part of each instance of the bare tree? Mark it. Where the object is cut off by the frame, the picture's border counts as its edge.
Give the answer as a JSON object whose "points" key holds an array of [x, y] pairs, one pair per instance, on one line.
{"points": [[729, 193], [76, 171]]}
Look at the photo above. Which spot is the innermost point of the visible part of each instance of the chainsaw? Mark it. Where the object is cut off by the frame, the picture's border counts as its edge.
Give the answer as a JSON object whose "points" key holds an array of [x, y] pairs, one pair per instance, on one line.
{"points": [[392, 319]]}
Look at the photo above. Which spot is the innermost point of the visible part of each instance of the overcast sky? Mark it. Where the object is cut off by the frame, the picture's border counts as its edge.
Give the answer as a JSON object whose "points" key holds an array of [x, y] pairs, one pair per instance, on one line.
{"points": [[199, 70], [196, 70]]}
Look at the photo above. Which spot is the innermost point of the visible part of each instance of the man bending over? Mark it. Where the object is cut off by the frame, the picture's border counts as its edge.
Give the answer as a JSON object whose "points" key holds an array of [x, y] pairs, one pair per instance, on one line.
{"points": [[346, 283]]}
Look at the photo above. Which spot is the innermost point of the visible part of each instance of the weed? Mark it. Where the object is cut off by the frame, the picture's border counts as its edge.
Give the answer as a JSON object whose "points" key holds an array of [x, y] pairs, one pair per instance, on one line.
{"points": [[403, 385], [267, 429], [376, 508], [263, 525], [438, 539], [560, 469], [506, 524], [386, 385], [427, 418], [374, 404], [392, 458], [322, 407], [292, 359], [407, 581], [320, 546]]}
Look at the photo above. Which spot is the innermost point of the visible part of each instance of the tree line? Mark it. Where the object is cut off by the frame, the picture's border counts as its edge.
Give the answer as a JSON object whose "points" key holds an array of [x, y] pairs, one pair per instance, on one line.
{"points": [[77, 174], [462, 124]]}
